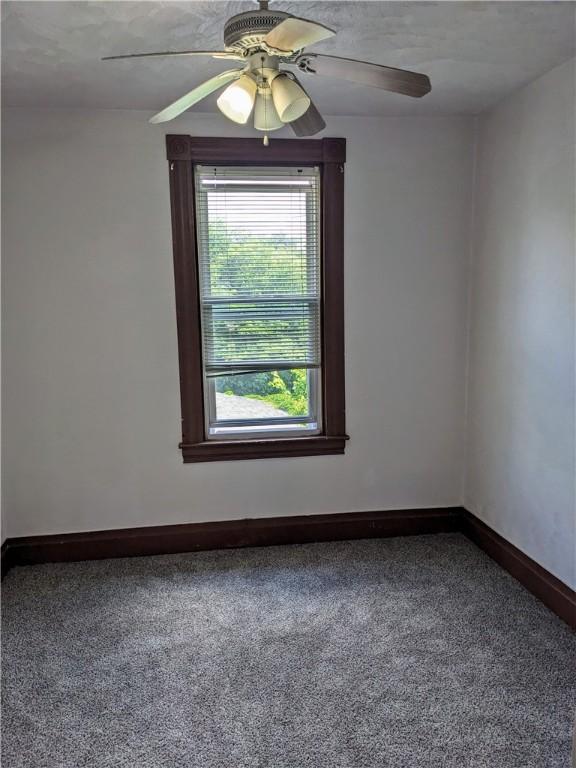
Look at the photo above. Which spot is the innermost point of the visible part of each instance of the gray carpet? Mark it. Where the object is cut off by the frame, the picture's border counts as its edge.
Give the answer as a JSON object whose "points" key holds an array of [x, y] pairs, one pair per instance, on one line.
{"points": [[405, 653]]}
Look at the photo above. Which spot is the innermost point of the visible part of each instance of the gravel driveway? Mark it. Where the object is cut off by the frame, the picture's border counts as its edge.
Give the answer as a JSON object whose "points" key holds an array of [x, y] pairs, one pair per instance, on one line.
{"points": [[234, 407]]}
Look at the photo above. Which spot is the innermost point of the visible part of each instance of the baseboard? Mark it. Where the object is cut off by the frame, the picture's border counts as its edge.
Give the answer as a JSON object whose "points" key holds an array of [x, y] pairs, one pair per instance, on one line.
{"points": [[5, 557], [194, 537], [536, 579]]}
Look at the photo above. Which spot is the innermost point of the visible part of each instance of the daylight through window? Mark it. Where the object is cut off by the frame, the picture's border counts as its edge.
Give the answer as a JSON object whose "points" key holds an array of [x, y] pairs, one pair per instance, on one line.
{"points": [[258, 239]]}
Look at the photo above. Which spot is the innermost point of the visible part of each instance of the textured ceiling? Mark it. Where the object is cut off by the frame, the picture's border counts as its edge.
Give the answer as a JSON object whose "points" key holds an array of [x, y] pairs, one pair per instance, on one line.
{"points": [[475, 53]]}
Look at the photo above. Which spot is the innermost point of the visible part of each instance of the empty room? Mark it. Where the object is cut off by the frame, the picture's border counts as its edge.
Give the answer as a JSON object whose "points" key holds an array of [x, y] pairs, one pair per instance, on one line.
{"points": [[288, 384]]}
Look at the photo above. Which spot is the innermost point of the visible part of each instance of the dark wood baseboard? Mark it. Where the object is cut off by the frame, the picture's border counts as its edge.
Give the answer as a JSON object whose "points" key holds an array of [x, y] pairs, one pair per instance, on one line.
{"points": [[6, 558], [536, 579], [195, 537]]}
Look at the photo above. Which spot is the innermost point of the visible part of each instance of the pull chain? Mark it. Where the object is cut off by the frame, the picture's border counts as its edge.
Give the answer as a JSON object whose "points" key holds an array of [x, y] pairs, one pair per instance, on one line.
{"points": [[265, 140]]}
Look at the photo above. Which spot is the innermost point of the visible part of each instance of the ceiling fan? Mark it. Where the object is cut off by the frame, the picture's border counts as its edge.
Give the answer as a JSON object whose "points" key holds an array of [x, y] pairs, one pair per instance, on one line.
{"points": [[263, 40]]}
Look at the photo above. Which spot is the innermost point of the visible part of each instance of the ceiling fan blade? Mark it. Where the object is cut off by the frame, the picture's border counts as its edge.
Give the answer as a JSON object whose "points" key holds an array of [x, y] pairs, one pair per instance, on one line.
{"points": [[293, 34], [214, 54], [311, 121], [196, 95], [365, 73]]}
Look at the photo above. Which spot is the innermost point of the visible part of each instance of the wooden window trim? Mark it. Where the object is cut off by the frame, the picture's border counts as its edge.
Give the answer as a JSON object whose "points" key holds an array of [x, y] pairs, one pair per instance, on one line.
{"points": [[183, 153]]}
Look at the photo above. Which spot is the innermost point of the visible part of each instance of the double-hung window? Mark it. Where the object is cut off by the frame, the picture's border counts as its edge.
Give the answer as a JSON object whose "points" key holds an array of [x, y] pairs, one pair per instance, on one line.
{"points": [[258, 262], [258, 235]]}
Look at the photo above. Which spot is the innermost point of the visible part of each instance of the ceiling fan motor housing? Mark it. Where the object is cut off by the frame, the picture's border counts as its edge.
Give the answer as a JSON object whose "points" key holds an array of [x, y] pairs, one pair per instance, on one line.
{"points": [[246, 31]]}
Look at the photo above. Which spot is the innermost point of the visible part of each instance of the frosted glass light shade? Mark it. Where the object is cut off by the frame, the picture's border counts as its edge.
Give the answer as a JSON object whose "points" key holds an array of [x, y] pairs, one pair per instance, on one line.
{"points": [[290, 100], [237, 101], [265, 116]]}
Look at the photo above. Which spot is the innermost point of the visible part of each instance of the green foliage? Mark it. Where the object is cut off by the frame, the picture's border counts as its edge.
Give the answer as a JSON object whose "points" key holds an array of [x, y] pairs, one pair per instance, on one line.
{"points": [[243, 263], [260, 266], [256, 265], [286, 390], [291, 398], [246, 384]]}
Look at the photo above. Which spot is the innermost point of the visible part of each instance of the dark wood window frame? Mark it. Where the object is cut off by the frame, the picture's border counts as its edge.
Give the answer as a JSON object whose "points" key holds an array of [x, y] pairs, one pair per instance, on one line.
{"points": [[184, 152]]}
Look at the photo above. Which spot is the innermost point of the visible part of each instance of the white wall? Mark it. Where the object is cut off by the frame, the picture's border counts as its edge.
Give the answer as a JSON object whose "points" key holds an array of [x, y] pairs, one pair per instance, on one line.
{"points": [[91, 375], [521, 418]]}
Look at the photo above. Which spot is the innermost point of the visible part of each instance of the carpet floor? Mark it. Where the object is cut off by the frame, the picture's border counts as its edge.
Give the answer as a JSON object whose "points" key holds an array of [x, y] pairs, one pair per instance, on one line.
{"points": [[414, 652]]}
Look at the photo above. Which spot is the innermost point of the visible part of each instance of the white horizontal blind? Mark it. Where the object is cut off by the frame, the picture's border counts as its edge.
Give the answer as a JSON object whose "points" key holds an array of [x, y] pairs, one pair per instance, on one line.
{"points": [[259, 265]]}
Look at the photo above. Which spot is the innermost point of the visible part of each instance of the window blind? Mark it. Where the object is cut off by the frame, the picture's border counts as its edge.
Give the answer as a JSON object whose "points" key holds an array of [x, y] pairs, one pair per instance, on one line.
{"points": [[258, 232]]}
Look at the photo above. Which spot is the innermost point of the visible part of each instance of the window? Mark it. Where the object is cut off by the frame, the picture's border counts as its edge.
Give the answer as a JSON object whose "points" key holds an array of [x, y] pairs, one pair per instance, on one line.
{"points": [[258, 256], [260, 309]]}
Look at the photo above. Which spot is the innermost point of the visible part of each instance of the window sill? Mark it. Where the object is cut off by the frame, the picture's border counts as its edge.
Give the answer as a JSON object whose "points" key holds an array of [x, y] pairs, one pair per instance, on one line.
{"points": [[234, 450]]}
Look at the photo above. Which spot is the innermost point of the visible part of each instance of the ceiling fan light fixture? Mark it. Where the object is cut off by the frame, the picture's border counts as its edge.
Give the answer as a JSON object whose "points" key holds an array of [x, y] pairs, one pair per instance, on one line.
{"points": [[237, 101], [263, 40], [290, 100], [266, 117]]}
